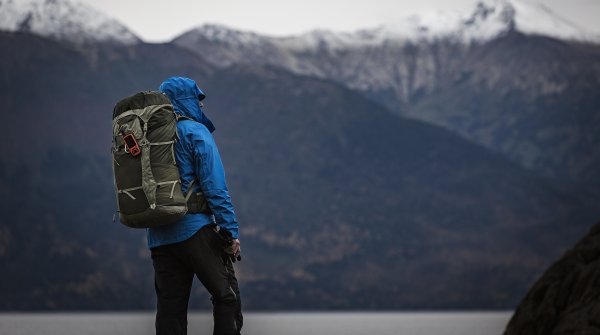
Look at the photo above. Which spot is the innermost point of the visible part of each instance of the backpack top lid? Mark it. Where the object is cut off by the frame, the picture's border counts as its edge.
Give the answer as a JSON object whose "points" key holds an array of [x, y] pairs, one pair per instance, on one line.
{"points": [[185, 96], [139, 101]]}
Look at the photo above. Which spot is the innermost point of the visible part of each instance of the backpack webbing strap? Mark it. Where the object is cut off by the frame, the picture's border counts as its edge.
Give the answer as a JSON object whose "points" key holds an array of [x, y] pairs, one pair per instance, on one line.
{"points": [[142, 113], [128, 190], [161, 143], [190, 190], [180, 117], [198, 204], [172, 148], [148, 182]]}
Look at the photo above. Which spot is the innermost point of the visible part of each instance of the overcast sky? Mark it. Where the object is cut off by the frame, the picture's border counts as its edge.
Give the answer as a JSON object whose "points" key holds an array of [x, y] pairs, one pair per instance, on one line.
{"points": [[157, 21]]}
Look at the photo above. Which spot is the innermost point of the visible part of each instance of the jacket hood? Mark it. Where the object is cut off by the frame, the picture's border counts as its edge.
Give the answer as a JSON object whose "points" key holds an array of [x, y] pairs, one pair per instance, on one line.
{"points": [[185, 95]]}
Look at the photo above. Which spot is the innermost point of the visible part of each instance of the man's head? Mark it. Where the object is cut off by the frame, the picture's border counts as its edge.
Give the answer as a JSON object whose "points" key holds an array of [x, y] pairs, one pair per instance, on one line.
{"points": [[186, 97]]}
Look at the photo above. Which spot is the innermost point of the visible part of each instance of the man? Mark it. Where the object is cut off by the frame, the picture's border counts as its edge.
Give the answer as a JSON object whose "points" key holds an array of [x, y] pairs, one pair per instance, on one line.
{"points": [[192, 246]]}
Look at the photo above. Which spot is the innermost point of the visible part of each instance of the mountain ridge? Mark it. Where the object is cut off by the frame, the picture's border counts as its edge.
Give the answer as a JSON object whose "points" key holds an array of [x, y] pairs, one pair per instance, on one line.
{"points": [[72, 21], [488, 20], [64, 20]]}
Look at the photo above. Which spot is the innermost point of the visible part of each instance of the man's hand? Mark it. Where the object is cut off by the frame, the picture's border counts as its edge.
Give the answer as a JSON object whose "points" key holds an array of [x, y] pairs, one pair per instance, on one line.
{"points": [[234, 250]]}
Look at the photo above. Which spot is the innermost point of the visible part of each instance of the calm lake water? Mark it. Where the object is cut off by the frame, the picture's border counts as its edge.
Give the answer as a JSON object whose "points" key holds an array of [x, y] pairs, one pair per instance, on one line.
{"points": [[311, 323]]}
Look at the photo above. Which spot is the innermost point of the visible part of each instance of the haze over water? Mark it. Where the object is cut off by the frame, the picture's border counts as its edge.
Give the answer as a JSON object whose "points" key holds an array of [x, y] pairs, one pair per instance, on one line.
{"points": [[303, 323]]}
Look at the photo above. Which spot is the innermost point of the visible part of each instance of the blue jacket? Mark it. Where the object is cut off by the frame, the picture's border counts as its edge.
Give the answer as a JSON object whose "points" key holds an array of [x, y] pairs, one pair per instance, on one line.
{"points": [[198, 158]]}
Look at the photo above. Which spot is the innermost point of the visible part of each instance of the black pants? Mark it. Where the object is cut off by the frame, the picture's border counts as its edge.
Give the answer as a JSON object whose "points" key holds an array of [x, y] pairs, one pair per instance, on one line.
{"points": [[174, 269]]}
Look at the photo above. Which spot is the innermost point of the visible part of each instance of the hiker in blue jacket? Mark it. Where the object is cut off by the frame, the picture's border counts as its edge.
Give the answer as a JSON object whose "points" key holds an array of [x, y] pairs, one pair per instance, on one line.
{"points": [[192, 246]]}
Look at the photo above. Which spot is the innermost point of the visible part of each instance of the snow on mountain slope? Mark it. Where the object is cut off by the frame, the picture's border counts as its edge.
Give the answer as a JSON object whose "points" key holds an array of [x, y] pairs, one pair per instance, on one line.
{"points": [[218, 33], [64, 20], [494, 17], [489, 19]]}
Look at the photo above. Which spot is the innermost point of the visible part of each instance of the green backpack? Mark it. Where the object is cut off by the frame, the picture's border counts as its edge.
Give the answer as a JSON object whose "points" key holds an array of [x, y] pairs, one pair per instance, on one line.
{"points": [[146, 176]]}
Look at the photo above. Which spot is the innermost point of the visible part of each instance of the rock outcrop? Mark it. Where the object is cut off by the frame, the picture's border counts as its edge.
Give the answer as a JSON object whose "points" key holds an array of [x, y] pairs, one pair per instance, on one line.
{"points": [[566, 299]]}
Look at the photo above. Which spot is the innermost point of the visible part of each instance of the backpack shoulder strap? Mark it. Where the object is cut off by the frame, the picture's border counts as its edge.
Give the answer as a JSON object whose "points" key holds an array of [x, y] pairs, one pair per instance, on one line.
{"points": [[181, 118]]}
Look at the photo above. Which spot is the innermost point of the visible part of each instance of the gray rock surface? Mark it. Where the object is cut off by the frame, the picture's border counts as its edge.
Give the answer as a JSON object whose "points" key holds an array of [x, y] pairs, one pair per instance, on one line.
{"points": [[566, 299]]}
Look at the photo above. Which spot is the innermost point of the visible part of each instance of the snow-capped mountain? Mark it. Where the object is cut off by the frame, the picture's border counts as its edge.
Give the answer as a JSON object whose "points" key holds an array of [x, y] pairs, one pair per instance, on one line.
{"points": [[400, 59], [379, 59], [63, 20], [217, 33], [489, 19], [494, 17]]}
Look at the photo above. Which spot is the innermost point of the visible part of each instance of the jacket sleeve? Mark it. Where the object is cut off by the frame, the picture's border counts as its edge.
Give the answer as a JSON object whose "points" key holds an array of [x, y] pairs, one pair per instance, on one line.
{"points": [[211, 177]]}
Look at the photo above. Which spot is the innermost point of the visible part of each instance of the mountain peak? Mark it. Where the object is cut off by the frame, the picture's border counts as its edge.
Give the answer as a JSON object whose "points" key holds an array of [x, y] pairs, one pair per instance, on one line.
{"points": [[224, 34], [63, 20], [489, 19], [483, 11]]}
